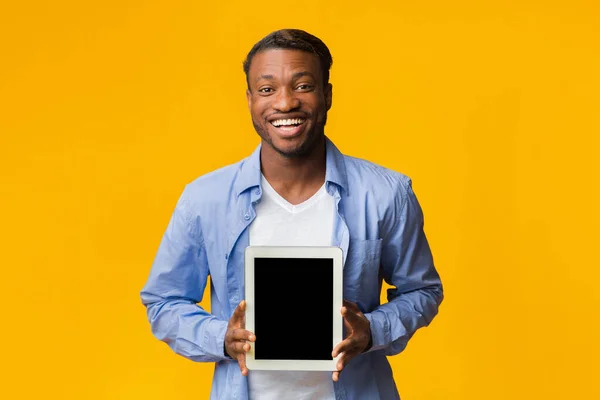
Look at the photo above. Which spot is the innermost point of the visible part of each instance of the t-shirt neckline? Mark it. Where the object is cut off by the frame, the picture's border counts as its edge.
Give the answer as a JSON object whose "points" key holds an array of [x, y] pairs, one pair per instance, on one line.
{"points": [[297, 208]]}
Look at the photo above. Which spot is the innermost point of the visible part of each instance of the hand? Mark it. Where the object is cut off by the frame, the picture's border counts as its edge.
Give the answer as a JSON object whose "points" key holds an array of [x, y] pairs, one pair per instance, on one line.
{"points": [[358, 329], [237, 338]]}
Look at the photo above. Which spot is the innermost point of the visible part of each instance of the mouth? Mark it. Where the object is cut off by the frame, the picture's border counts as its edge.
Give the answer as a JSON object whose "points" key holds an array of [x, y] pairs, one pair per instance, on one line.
{"points": [[289, 126]]}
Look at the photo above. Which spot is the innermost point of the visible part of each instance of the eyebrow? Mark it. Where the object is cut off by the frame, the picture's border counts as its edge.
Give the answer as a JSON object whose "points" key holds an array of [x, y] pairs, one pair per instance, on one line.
{"points": [[295, 76], [301, 74], [267, 77]]}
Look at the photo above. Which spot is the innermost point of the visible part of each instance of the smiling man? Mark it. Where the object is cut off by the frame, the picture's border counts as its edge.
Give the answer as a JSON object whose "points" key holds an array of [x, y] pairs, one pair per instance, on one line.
{"points": [[296, 189]]}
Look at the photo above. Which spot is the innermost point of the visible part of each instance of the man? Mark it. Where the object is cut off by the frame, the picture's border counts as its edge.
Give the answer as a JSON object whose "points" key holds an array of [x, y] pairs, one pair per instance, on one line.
{"points": [[295, 189]]}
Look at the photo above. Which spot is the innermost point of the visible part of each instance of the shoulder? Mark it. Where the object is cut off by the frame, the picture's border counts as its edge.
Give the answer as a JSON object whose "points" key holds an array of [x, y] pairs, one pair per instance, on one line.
{"points": [[383, 192], [367, 176], [213, 187]]}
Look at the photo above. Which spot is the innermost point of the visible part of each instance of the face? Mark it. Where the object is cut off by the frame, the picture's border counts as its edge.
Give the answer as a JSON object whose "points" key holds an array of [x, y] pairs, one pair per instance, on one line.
{"points": [[288, 101]]}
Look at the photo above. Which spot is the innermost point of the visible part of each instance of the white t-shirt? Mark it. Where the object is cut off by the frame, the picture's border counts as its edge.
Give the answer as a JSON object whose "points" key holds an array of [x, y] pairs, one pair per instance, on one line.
{"points": [[279, 223]]}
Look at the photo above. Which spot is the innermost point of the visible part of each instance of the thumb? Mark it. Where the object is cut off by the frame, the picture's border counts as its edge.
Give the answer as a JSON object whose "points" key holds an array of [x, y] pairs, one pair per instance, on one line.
{"points": [[239, 314], [348, 326]]}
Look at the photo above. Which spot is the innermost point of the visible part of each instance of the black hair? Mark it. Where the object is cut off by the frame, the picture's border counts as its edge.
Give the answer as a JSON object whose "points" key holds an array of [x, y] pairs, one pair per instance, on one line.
{"points": [[293, 39]]}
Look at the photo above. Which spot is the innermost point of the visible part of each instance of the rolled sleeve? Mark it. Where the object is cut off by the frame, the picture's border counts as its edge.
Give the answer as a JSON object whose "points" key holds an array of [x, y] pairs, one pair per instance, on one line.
{"points": [[176, 284], [407, 265]]}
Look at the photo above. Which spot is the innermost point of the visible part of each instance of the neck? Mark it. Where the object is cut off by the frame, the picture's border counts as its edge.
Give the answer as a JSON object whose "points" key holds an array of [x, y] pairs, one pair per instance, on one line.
{"points": [[296, 179]]}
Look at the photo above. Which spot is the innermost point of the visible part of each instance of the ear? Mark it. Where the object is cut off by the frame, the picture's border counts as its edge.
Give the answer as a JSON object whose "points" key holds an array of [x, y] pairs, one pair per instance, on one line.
{"points": [[249, 98], [328, 95]]}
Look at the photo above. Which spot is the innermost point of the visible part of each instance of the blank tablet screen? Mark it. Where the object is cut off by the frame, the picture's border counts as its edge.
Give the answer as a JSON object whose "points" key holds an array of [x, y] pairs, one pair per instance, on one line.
{"points": [[293, 303]]}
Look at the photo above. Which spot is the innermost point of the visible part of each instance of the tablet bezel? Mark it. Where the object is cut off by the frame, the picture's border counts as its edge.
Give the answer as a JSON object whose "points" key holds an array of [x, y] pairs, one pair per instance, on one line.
{"points": [[308, 252]]}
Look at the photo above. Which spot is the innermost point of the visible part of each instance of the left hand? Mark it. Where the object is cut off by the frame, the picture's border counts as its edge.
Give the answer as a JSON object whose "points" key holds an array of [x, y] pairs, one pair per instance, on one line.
{"points": [[358, 329]]}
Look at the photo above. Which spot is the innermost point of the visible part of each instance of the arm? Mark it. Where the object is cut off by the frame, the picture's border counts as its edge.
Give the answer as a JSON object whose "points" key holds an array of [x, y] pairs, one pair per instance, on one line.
{"points": [[407, 264], [176, 283]]}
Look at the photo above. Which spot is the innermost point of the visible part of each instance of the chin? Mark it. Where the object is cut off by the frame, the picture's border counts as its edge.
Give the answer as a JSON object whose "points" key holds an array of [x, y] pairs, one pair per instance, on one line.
{"points": [[291, 152], [296, 150]]}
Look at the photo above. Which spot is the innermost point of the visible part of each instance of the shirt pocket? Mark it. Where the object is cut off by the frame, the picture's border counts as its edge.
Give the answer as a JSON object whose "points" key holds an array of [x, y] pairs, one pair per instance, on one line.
{"points": [[361, 273]]}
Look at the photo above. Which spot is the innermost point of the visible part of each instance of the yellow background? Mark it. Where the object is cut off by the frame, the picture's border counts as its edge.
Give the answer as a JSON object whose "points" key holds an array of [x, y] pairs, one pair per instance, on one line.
{"points": [[108, 108]]}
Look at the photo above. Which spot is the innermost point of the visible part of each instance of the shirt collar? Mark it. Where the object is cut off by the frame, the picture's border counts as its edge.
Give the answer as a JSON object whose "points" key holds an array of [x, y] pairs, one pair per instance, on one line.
{"points": [[335, 169]]}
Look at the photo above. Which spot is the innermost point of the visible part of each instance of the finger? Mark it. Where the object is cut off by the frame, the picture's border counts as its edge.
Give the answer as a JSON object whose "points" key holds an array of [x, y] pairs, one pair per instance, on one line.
{"points": [[242, 364], [350, 344], [242, 335], [345, 359], [351, 309], [349, 304], [337, 349], [335, 376], [239, 347], [347, 311], [242, 306], [354, 317], [344, 345], [349, 328]]}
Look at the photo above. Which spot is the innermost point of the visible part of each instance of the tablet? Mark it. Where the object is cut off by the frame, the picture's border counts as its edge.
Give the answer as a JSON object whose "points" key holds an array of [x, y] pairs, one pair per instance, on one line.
{"points": [[293, 302]]}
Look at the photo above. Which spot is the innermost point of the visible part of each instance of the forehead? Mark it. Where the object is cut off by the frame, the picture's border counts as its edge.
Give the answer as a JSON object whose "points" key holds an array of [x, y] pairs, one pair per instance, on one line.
{"points": [[282, 62]]}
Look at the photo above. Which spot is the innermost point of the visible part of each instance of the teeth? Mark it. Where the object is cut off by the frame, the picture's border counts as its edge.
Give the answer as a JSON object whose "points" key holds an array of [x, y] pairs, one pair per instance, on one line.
{"points": [[280, 122]]}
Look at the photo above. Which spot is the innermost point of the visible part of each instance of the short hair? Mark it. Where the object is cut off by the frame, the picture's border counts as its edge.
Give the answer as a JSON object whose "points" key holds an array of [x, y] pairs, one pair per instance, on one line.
{"points": [[292, 39]]}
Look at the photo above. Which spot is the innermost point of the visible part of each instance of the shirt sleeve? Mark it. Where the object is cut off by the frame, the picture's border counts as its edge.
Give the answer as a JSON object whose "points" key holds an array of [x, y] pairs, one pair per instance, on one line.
{"points": [[407, 265], [176, 284]]}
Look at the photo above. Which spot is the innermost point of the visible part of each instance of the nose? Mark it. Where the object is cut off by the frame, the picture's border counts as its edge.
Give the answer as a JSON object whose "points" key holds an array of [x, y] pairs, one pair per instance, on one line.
{"points": [[285, 101]]}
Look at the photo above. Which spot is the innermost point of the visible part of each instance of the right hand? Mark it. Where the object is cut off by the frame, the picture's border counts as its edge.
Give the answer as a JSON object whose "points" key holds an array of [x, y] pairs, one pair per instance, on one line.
{"points": [[237, 337]]}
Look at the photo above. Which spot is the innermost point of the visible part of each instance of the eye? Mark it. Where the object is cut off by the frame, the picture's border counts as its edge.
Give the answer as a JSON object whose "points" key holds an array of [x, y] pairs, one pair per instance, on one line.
{"points": [[305, 87], [265, 90]]}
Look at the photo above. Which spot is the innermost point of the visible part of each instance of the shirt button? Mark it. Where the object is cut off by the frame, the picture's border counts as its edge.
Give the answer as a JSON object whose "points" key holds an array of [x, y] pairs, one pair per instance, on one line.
{"points": [[257, 191], [247, 217]]}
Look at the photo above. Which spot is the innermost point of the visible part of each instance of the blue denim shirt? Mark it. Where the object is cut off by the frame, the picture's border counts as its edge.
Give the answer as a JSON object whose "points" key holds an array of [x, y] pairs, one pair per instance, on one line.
{"points": [[378, 225]]}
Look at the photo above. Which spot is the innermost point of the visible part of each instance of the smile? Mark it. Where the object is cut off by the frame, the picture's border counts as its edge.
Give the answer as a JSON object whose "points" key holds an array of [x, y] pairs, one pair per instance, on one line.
{"points": [[287, 123], [289, 128]]}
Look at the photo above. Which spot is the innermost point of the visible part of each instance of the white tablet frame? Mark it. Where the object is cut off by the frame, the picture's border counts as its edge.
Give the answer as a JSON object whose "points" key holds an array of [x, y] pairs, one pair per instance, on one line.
{"points": [[334, 253]]}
